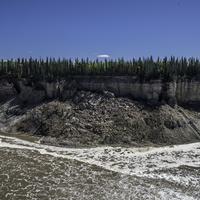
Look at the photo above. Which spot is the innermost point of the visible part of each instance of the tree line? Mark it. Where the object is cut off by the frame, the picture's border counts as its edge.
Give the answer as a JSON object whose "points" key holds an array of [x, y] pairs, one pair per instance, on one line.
{"points": [[143, 68]]}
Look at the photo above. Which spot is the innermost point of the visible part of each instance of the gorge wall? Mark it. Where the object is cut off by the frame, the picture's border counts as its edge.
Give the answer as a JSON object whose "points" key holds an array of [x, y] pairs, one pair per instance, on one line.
{"points": [[92, 116], [181, 92]]}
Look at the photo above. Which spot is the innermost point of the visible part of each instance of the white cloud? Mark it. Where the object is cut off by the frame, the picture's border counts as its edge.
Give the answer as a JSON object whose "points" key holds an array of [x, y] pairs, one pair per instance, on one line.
{"points": [[103, 56]]}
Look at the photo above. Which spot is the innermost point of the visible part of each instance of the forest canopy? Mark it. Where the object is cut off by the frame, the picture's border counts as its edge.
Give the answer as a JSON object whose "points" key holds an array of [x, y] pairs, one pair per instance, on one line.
{"points": [[143, 68]]}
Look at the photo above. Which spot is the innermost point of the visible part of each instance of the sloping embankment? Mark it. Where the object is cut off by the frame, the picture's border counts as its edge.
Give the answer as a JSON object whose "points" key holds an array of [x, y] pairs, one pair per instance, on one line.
{"points": [[87, 118], [91, 119]]}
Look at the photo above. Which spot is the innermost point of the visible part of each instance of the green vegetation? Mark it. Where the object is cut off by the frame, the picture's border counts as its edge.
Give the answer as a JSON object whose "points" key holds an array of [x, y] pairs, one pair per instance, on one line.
{"points": [[143, 69]]}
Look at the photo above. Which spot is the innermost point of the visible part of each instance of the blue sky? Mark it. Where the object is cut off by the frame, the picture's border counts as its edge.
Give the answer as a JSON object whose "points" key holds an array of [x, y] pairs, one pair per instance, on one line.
{"points": [[87, 28]]}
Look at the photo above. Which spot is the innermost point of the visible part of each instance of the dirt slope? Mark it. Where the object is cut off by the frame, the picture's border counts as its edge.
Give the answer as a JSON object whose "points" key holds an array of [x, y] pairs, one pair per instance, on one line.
{"points": [[90, 119]]}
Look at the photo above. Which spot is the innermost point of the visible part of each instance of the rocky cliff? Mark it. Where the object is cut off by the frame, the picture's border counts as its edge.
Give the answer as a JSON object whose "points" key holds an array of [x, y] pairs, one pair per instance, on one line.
{"points": [[91, 119], [181, 92], [7, 90], [101, 110]]}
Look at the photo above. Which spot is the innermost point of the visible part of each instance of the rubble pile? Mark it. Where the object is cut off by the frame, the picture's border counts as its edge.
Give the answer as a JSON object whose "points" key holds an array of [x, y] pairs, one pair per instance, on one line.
{"points": [[91, 119]]}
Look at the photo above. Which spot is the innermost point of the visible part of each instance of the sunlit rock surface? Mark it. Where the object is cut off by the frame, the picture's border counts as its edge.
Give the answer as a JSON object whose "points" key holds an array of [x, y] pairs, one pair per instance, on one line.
{"points": [[180, 91]]}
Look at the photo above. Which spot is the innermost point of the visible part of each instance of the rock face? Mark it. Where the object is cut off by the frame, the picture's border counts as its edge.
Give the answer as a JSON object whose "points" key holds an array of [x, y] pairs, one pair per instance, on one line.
{"points": [[181, 92], [7, 90], [30, 94], [87, 118], [90, 119], [188, 93], [81, 111], [124, 87]]}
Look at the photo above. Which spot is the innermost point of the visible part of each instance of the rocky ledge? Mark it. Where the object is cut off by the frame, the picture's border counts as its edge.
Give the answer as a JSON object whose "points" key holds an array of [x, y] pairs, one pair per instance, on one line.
{"points": [[91, 119]]}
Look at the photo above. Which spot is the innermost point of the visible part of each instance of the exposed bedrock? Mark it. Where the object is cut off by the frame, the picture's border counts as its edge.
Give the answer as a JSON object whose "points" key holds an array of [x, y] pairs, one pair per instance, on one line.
{"points": [[7, 90], [181, 92], [91, 118]]}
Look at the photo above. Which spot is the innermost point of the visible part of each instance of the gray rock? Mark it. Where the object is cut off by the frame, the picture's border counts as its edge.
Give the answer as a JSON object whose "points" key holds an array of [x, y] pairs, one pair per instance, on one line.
{"points": [[108, 94]]}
